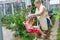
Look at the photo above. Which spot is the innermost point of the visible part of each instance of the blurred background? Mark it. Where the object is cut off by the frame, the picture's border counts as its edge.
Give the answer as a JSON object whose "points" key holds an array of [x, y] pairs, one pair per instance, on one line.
{"points": [[12, 14]]}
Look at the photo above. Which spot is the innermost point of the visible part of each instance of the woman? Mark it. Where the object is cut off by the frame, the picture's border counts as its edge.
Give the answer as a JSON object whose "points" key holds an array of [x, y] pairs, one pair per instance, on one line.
{"points": [[42, 14]]}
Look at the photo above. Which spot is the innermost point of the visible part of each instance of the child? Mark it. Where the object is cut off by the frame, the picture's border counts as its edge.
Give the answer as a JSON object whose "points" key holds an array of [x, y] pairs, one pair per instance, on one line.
{"points": [[30, 28]]}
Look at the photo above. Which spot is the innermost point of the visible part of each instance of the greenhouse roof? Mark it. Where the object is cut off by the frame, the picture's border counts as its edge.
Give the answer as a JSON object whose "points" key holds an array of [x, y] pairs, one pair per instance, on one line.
{"points": [[7, 1], [54, 1]]}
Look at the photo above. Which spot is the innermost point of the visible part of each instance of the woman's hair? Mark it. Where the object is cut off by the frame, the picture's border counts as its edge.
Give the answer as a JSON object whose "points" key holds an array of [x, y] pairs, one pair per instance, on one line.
{"points": [[37, 1]]}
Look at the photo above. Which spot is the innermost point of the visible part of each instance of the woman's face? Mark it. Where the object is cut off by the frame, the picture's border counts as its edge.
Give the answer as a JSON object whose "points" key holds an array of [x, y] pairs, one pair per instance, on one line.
{"points": [[37, 4]]}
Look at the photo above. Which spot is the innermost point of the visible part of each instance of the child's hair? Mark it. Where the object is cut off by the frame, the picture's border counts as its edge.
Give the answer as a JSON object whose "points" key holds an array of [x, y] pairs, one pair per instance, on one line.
{"points": [[29, 19]]}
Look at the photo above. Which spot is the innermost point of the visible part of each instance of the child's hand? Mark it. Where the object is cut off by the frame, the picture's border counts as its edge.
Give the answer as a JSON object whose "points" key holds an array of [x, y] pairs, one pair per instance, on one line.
{"points": [[31, 15]]}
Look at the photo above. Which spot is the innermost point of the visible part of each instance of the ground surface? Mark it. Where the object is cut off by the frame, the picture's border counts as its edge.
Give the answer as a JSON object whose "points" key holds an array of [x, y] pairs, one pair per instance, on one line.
{"points": [[55, 29], [7, 34]]}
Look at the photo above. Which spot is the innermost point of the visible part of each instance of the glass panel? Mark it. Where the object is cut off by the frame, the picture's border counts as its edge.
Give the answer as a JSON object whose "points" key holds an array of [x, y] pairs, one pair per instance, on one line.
{"points": [[8, 8], [17, 6], [1, 10]]}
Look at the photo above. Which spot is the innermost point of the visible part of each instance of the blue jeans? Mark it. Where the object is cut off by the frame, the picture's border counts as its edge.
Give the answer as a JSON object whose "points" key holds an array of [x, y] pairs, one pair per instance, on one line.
{"points": [[48, 22]]}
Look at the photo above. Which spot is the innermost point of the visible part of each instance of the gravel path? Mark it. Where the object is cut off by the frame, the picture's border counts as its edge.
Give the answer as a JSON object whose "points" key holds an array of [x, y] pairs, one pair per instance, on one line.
{"points": [[7, 34], [54, 29]]}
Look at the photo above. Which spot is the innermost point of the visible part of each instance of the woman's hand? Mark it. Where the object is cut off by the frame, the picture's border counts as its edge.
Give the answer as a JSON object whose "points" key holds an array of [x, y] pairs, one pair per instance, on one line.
{"points": [[30, 15]]}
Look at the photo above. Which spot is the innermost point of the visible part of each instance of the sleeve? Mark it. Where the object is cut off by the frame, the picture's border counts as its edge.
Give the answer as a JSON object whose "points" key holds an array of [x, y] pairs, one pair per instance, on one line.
{"points": [[41, 9]]}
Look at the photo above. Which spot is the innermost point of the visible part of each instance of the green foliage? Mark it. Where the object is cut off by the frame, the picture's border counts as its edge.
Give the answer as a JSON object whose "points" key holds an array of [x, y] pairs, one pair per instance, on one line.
{"points": [[33, 7], [33, 11], [55, 14], [31, 36], [56, 11], [15, 22]]}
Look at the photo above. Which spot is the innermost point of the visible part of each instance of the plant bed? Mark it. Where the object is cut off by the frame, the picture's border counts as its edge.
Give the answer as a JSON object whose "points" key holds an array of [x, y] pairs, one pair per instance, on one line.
{"points": [[15, 23]]}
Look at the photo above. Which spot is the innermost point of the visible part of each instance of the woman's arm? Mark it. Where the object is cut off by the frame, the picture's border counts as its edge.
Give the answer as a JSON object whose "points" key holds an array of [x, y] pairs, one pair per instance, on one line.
{"points": [[38, 14]]}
